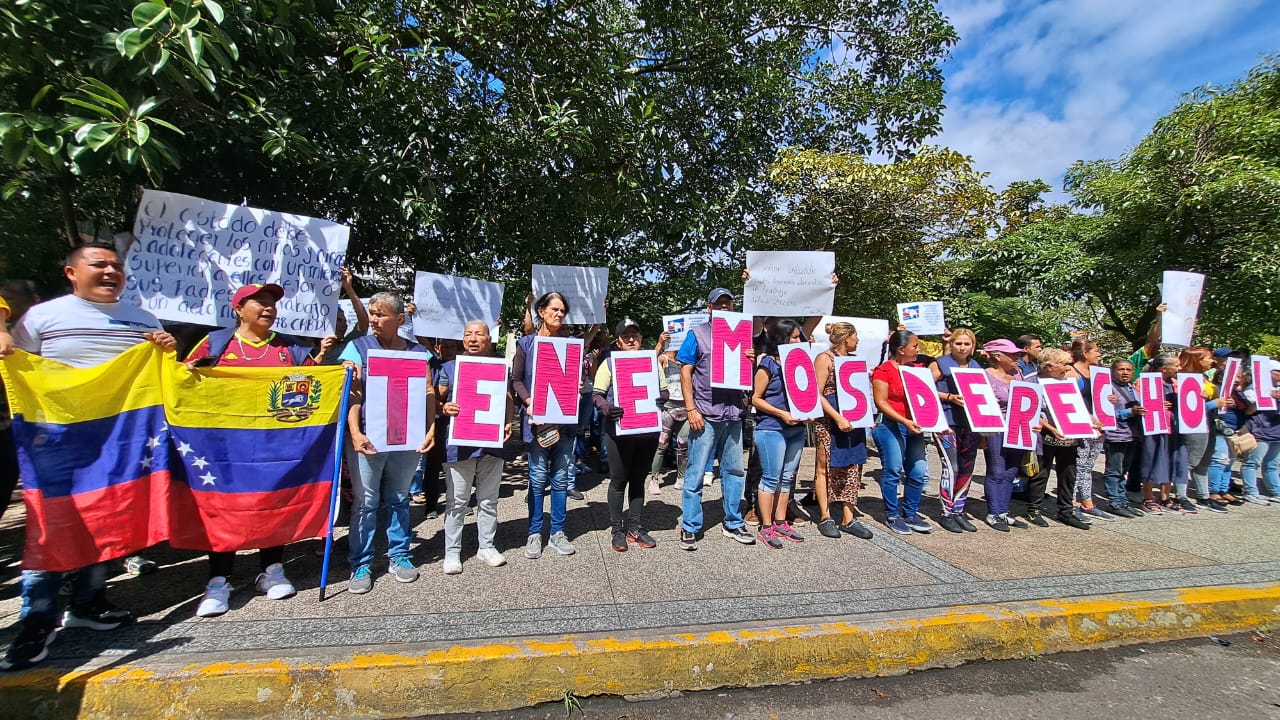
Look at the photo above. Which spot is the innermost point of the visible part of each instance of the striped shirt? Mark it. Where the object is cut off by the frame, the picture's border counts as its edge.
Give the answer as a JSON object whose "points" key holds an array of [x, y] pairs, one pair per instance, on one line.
{"points": [[80, 333]]}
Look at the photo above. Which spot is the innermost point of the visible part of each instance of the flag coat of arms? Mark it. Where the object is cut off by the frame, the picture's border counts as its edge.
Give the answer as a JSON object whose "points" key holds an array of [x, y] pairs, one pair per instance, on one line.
{"points": [[142, 449]]}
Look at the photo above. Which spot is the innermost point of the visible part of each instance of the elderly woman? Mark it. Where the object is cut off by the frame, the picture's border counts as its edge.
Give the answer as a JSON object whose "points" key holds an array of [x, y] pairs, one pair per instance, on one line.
{"points": [[251, 343], [379, 477], [468, 467], [550, 446], [1002, 462]]}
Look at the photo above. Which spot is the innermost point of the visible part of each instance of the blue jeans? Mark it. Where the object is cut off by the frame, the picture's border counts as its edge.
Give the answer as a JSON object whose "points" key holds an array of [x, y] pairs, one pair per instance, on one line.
{"points": [[550, 466], [1120, 457], [378, 479], [779, 457], [1266, 455], [901, 452], [724, 438], [40, 589], [1220, 466]]}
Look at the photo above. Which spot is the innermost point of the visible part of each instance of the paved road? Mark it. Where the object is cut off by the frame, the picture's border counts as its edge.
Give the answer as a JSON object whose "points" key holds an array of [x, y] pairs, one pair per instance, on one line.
{"points": [[1191, 680]]}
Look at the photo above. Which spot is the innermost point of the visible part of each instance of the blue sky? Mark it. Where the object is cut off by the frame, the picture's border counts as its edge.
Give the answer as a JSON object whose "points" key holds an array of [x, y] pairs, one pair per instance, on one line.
{"points": [[1035, 85]]}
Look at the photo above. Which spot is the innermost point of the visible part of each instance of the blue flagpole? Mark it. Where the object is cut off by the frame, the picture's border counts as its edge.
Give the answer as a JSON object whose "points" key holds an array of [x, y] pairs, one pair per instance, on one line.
{"points": [[337, 482]]}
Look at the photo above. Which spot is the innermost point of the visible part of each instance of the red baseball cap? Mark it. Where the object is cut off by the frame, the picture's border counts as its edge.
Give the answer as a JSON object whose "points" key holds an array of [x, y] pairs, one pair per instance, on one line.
{"points": [[247, 291]]}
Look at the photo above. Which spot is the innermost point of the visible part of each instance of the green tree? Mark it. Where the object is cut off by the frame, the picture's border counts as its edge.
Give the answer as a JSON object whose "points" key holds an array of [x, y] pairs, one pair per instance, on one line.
{"points": [[474, 137]]}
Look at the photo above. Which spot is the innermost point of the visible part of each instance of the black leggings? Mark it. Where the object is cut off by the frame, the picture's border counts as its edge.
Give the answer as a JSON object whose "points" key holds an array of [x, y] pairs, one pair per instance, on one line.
{"points": [[629, 459], [221, 563]]}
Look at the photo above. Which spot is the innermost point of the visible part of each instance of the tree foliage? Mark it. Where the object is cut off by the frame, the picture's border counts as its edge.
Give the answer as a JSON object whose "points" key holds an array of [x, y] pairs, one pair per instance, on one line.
{"points": [[467, 137]]}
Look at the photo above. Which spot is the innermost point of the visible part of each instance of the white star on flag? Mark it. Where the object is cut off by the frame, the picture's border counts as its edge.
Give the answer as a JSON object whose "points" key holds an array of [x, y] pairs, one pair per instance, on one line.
{"points": [[146, 463], [153, 443], [208, 479], [200, 463], [184, 448]]}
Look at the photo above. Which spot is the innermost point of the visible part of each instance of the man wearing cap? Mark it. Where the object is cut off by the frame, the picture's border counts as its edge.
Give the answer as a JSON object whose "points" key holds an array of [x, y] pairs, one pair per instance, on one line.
{"points": [[86, 328], [715, 424]]}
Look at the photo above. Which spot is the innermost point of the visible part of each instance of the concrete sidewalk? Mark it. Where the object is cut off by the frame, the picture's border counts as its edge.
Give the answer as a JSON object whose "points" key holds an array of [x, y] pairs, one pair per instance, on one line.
{"points": [[644, 620]]}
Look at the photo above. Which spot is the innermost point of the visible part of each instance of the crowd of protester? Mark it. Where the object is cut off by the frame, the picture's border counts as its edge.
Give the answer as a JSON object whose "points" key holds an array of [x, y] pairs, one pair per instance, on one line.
{"points": [[748, 440]]}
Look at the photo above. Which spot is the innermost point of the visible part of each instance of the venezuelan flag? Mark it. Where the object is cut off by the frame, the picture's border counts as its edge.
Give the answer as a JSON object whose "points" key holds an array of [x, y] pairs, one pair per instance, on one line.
{"points": [[251, 454], [140, 450], [93, 455]]}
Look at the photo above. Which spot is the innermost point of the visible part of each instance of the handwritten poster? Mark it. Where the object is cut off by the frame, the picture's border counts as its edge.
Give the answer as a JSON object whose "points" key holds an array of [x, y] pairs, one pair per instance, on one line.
{"points": [[191, 255], [872, 332], [395, 399], [444, 304], [635, 387], [789, 283], [1181, 292], [584, 287], [480, 390], [922, 318]]}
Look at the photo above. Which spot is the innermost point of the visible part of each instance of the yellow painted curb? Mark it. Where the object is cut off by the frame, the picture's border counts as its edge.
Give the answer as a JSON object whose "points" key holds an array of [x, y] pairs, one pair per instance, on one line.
{"points": [[422, 679]]}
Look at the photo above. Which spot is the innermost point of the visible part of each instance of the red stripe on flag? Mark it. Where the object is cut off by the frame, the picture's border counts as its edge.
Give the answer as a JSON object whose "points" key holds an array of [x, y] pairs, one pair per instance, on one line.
{"points": [[74, 531], [226, 522]]}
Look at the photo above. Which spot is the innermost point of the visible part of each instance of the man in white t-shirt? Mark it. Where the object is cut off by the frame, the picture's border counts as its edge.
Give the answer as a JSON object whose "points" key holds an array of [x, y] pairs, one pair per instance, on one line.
{"points": [[87, 328]]}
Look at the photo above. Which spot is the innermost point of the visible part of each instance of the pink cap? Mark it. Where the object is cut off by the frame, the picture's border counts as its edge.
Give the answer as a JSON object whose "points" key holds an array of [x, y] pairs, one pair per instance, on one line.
{"points": [[1001, 345], [247, 291]]}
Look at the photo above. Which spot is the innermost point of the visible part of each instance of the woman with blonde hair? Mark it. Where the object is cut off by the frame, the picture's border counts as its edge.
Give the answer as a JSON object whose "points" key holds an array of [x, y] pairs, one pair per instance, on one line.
{"points": [[958, 448], [841, 448]]}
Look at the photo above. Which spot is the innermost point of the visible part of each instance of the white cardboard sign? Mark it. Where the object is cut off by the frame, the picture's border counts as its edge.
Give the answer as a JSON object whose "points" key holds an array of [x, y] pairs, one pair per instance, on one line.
{"points": [[923, 318], [789, 283], [444, 304], [190, 255], [1181, 292], [584, 287]]}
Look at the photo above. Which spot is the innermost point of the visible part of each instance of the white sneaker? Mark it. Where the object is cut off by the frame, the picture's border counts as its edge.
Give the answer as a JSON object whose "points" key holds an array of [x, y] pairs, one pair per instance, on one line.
{"points": [[452, 564], [216, 594], [275, 584], [708, 478], [492, 557]]}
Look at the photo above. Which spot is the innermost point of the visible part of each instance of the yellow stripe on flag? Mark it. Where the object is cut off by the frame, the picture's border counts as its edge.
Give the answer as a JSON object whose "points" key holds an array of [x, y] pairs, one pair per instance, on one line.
{"points": [[47, 391], [253, 398]]}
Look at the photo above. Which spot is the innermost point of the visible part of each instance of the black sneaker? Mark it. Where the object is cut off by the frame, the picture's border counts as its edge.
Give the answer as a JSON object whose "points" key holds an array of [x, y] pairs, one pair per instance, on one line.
{"points": [[1035, 517], [741, 534], [1015, 522], [688, 540], [1136, 510], [619, 541], [1069, 518], [1187, 507], [1122, 511], [1213, 505], [797, 510], [856, 529], [642, 538], [998, 523], [951, 524], [32, 644], [828, 529], [98, 615], [965, 524], [576, 495]]}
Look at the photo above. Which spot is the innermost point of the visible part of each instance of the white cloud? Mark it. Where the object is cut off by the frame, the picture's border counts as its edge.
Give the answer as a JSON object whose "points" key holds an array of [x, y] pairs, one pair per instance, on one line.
{"points": [[1035, 86]]}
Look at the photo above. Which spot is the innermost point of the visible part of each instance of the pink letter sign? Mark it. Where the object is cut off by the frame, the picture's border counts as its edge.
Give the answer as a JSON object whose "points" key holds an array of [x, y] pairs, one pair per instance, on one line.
{"points": [[980, 404], [479, 389], [1193, 415], [635, 390], [1066, 404], [1262, 382], [1230, 373], [557, 376], [800, 380], [395, 399], [853, 392], [923, 402], [1151, 396], [1024, 413], [1101, 390], [730, 341]]}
